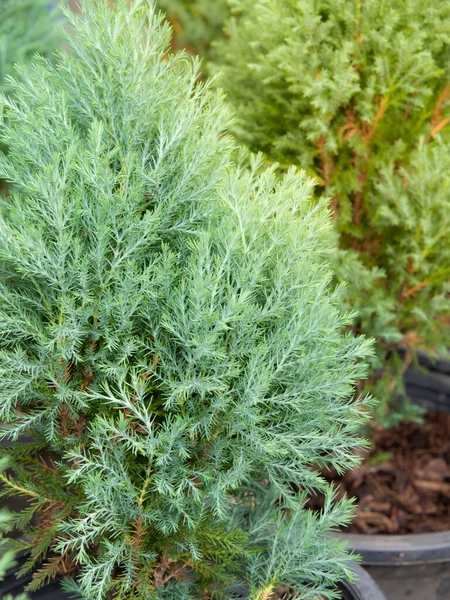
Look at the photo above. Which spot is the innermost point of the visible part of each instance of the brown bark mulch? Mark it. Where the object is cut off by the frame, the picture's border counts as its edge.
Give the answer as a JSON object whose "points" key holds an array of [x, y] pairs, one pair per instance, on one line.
{"points": [[403, 485]]}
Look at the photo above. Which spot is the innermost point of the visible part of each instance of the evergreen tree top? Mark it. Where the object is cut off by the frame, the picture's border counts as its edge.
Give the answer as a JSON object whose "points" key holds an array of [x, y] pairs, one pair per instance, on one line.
{"points": [[167, 333]]}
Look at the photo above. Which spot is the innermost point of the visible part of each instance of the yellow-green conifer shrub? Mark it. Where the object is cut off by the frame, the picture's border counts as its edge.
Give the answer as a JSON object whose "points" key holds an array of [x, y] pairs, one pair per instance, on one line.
{"points": [[168, 335], [357, 93]]}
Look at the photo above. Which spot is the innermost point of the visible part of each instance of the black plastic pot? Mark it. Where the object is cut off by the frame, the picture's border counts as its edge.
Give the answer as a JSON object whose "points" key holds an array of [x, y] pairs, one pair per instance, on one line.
{"points": [[15, 586], [413, 567], [429, 385], [401, 550], [48, 592], [364, 588]]}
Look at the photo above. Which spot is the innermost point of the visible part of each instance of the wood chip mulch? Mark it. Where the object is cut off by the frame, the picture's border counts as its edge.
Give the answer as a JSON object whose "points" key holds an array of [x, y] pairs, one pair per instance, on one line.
{"points": [[403, 485]]}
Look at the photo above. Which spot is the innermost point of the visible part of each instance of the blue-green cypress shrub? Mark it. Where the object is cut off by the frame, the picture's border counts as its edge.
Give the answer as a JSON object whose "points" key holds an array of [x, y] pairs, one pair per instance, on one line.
{"points": [[168, 335]]}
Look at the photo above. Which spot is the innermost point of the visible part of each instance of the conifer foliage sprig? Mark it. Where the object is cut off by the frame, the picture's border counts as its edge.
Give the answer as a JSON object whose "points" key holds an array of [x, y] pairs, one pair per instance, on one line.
{"points": [[357, 93], [167, 334]]}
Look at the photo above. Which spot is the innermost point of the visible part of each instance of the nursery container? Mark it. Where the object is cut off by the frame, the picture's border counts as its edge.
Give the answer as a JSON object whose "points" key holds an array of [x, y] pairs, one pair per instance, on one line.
{"points": [[51, 591], [412, 567], [430, 387], [364, 588]]}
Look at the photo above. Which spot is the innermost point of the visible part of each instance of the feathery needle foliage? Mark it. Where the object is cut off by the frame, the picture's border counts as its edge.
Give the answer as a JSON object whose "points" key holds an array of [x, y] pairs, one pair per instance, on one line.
{"points": [[167, 334], [357, 93]]}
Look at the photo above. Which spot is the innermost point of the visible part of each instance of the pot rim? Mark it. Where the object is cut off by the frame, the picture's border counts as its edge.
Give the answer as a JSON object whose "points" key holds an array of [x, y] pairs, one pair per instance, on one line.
{"points": [[400, 550], [364, 588]]}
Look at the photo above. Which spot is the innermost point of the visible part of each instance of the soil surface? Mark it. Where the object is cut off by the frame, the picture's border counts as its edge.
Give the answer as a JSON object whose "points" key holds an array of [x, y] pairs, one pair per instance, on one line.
{"points": [[403, 485]]}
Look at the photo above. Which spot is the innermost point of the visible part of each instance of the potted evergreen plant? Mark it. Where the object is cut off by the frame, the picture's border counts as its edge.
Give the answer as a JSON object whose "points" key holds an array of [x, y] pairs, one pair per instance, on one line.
{"points": [[357, 93], [168, 333]]}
